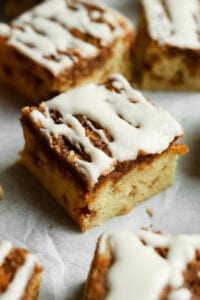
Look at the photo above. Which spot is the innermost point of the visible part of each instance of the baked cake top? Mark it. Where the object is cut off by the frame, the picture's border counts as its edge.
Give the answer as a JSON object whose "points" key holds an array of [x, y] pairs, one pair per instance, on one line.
{"points": [[174, 22], [57, 34], [21, 264], [96, 126], [151, 266]]}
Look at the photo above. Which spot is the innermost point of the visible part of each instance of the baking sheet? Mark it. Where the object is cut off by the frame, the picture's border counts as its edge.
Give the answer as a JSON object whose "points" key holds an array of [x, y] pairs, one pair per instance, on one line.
{"points": [[30, 218]]}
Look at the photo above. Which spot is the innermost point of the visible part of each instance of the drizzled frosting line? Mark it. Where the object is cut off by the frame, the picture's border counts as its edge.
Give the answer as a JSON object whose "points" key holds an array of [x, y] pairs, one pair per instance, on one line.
{"points": [[174, 22]]}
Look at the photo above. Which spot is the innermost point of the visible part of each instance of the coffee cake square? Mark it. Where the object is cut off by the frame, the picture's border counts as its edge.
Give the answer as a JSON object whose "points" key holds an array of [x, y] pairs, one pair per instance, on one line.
{"points": [[60, 44], [100, 149], [167, 55]]}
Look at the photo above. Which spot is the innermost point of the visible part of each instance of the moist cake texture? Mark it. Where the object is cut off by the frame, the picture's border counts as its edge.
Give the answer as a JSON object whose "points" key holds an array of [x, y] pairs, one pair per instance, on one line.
{"points": [[19, 273], [167, 55], [145, 265], [100, 149], [63, 43]]}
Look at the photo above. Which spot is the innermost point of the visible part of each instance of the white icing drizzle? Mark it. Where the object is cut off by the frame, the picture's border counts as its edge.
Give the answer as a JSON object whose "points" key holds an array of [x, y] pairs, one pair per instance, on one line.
{"points": [[43, 33], [181, 294], [95, 14], [136, 271], [117, 85], [127, 279], [4, 29], [180, 28], [5, 248], [103, 243], [181, 251], [16, 287], [133, 126]]}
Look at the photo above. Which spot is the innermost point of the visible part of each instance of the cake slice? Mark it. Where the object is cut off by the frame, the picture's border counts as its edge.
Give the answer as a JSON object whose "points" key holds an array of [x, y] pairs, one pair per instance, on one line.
{"points": [[145, 265], [100, 149], [13, 8], [19, 273], [64, 43], [167, 56]]}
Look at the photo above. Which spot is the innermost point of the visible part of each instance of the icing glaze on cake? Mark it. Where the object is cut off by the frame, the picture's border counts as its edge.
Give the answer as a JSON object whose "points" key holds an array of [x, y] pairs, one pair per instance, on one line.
{"points": [[174, 22], [45, 33], [5, 248], [136, 264], [134, 124], [16, 287]]}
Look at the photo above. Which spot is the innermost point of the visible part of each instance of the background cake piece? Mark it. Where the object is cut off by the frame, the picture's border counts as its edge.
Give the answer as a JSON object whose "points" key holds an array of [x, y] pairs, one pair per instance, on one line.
{"points": [[145, 265], [19, 273], [167, 55], [100, 149], [61, 44], [14, 8], [1, 193]]}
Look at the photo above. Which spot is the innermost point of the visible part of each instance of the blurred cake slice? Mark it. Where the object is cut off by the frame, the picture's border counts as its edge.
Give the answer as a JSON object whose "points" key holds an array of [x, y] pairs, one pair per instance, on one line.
{"points": [[60, 44], [167, 56], [19, 273], [100, 149], [145, 265]]}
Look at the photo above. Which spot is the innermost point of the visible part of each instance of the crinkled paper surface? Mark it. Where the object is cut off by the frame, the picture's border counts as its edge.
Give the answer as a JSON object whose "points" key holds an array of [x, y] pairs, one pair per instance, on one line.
{"points": [[30, 218]]}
